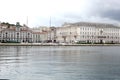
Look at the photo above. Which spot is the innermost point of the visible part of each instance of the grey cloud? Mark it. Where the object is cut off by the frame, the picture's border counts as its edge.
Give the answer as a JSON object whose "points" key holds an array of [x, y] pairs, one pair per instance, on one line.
{"points": [[98, 11], [108, 9], [112, 14]]}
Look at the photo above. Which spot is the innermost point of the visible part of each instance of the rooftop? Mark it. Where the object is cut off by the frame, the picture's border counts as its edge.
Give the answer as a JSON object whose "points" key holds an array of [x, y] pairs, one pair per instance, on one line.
{"points": [[91, 24]]}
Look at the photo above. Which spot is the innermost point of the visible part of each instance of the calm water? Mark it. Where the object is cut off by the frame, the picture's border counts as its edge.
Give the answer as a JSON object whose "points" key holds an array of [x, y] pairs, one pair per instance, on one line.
{"points": [[60, 63]]}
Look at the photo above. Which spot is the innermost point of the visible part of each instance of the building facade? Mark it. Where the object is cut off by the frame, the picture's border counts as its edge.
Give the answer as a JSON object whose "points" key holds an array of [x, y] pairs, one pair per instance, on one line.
{"points": [[24, 34], [82, 32], [85, 32], [15, 33]]}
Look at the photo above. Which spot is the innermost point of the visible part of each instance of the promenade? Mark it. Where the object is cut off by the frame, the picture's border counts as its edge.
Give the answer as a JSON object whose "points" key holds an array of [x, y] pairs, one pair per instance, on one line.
{"points": [[54, 44]]}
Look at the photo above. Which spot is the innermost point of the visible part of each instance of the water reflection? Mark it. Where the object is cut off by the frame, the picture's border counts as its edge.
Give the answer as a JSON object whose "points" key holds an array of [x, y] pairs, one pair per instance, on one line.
{"points": [[60, 63]]}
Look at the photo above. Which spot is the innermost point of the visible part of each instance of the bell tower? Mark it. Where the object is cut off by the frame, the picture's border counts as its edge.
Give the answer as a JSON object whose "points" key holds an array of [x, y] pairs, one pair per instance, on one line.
{"points": [[18, 31], [17, 26]]}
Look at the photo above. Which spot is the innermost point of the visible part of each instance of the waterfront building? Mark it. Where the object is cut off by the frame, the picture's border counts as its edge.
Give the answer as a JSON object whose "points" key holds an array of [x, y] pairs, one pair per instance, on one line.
{"points": [[52, 33], [85, 32], [40, 34], [36, 37], [81, 32], [15, 33], [48, 34], [25, 34]]}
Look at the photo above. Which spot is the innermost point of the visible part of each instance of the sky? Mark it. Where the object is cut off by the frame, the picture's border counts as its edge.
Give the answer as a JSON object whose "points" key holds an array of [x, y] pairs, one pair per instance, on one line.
{"points": [[41, 12]]}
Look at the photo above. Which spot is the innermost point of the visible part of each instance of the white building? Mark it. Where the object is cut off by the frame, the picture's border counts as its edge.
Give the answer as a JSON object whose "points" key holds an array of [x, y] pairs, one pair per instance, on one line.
{"points": [[85, 32], [40, 34]]}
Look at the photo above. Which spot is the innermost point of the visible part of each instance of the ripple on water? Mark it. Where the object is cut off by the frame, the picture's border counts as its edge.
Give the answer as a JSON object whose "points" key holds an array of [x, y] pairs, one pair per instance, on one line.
{"points": [[60, 62]]}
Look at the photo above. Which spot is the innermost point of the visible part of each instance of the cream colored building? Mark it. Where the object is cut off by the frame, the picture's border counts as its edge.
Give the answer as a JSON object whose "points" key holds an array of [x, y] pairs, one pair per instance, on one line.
{"points": [[85, 32], [41, 34]]}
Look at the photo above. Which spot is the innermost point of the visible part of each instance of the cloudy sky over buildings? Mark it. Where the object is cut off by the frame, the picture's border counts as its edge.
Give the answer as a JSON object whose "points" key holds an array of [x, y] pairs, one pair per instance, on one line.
{"points": [[39, 12]]}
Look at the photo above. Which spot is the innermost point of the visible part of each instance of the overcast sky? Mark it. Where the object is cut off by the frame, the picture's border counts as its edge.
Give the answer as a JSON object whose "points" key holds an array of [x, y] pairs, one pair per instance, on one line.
{"points": [[60, 11]]}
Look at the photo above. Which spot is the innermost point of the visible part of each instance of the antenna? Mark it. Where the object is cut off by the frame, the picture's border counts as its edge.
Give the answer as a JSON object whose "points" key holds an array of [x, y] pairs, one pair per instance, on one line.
{"points": [[50, 26], [50, 21], [27, 21]]}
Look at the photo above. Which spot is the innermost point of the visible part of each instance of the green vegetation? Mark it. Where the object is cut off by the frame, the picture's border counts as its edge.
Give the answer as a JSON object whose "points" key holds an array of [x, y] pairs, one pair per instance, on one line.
{"points": [[8, 24], [9, 41]]}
